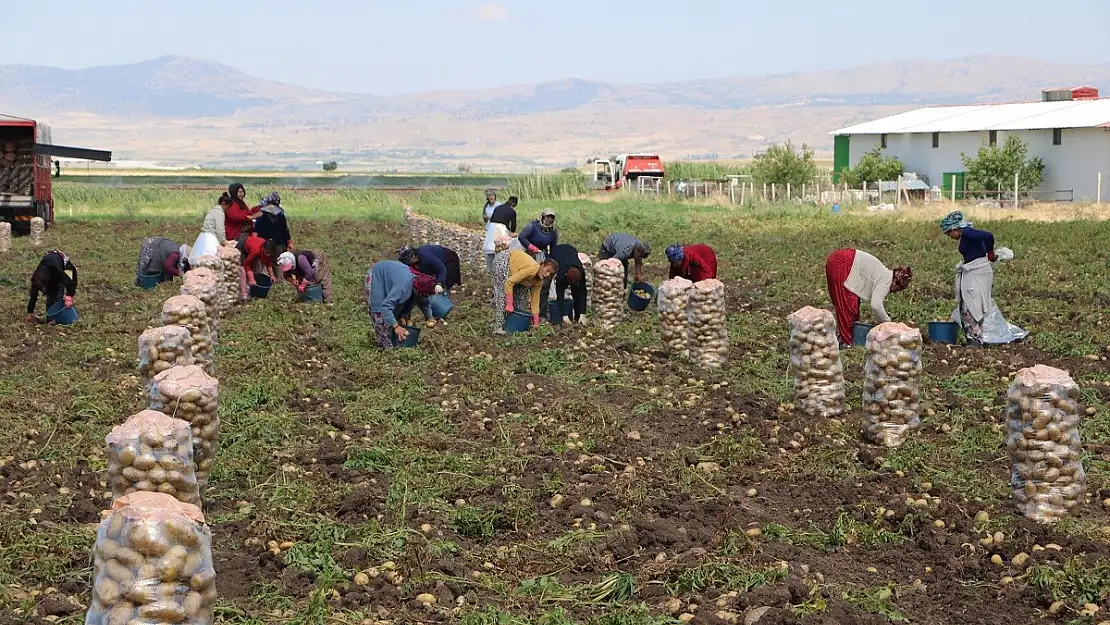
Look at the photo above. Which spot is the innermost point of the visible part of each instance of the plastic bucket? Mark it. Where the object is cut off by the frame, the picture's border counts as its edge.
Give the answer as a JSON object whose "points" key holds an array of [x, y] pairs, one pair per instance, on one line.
{"points": [[640, 303], [411, 341], [61, 315], [947, 332], [517, 322], [150, 280], [313, 293], [262, 287], [554, 315], [441, 306], [859, 333]]}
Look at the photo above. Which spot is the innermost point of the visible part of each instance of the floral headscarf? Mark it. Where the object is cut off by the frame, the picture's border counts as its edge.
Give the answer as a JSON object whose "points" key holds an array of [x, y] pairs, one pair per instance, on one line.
{"points": [[407, 255], [675, 253], [954, 221]]}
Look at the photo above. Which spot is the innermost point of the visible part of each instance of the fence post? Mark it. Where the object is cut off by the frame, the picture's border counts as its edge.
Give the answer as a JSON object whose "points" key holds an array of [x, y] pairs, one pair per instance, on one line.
{"points": [[773, 198], [788, 191], [764, 191], [1016, 174], [898, 192], [1098, 196]]}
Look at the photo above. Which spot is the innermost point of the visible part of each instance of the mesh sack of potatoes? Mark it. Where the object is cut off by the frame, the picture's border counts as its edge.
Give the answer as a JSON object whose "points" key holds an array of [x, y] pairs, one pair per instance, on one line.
{"points": [[5, 237], [202, 284], [672, 300], [190, 394], [152, 564], [152, 452], [708, 321], [216, 265], [608, 292], [892, 372], [1042, 410], [587, 269], [38, 227], [161, 348], [235, 278], [188, 311], [815, 359]]}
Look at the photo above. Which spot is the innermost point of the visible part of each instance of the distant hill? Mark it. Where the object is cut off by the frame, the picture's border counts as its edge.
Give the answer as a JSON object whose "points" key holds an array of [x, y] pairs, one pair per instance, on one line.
{"points": [[167, 95]]}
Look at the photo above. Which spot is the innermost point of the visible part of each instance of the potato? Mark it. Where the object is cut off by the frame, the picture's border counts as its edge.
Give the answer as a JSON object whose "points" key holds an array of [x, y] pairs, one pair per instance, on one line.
{"points": [[890, 391], [673, 299], [1042, 414], [161, 348], [608, 292], [190, 312], [708, 333], [815, 359], [191, 395]]}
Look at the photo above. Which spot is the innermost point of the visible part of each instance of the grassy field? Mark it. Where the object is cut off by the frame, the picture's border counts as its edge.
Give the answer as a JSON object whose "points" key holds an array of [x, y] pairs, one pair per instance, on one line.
{"points": [[521, 481]]}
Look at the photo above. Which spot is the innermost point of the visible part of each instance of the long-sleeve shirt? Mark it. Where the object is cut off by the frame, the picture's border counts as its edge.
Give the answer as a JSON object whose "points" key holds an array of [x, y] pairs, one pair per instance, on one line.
{"points": [[975, 244], [487, 212], [164, 257], [620, 246], [237, 218], [505, 215], [567, 257], [50, 277], [533, 234], [698, 263], [391, 290], [433, 262], [215, 224], [255, 249], [272, 226], [524, 271], [870, 280], [303, 268]]}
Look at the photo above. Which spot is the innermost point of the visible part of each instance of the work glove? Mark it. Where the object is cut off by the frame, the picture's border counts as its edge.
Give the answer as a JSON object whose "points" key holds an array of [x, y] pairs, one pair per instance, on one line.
{"points": [[509, 302], [533, 249], [302, 286], [439, 289], [535, 321], [68, 301], [991, 257]]}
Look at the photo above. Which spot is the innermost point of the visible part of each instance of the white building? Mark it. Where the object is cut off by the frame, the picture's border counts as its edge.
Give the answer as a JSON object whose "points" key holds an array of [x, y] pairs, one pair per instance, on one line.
{"points": [[1069, 130]]}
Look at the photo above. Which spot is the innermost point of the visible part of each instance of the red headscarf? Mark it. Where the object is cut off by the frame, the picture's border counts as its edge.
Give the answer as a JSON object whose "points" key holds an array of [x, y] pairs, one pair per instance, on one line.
{"points": [[422, 283]]}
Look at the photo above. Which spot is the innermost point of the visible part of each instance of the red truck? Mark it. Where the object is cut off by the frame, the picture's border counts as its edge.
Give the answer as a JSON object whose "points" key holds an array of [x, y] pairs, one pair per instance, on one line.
{"points": [[26, 188], [612, 174]]}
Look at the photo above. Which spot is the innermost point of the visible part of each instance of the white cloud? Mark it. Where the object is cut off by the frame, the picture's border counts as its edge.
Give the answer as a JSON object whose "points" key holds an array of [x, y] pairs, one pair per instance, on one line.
{"points": [[490, 12]]}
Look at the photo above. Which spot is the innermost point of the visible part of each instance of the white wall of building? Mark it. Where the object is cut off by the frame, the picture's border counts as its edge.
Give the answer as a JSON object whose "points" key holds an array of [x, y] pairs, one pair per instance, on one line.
{"points": [[1072, 166]]}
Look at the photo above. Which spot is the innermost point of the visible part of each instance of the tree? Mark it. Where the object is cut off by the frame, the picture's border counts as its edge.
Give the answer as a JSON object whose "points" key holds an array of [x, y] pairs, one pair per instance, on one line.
{"points": [[331, 166], [781, 164], [992, 169], [872, 167]]}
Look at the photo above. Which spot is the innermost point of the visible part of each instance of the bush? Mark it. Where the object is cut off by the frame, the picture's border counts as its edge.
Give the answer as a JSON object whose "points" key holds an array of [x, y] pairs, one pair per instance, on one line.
{"points": [[872, 167], [781, 164], [331, 166], [992, 170]]}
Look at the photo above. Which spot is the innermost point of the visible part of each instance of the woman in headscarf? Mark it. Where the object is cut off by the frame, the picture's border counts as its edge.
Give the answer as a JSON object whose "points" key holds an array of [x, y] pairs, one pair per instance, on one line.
{"points": [[854, 274], [306, 268], [540, 236], [56, 278], [162, 256], [502, 223], [392, 288], [237, 219], [272, 226], [256, 258], [434, 260], [571, 275], [213, 232], [976, 310], [694, 262], [625, 247], [491, 203], [518, 278]]}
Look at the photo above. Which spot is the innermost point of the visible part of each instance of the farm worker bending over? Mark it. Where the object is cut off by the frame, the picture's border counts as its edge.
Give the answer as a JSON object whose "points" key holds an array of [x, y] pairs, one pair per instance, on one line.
{"points": [[854, 274], [540, 236], [571, 275], [976, 311], [391, 290], [213, 232], [624, 247], [524, 271], [693, 262], [502, 223], [237, 221], [162, 256], [256, 258], [272, 225], [434, 260], [491, 203], [55, 277], [306, 268]]}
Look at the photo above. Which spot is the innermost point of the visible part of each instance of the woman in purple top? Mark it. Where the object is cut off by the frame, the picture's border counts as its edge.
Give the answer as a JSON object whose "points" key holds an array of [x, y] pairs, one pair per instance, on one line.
{"points": [[306, 268]]}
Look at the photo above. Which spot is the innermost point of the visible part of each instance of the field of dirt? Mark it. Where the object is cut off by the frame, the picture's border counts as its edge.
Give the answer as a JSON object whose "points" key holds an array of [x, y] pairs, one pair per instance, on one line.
{"points": [[569, 476]]}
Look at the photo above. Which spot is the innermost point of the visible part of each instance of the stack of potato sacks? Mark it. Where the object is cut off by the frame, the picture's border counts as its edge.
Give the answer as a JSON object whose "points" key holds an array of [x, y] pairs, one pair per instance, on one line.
{"points": [[609, 292], [672, 300], [190, 312], [5, 237], [463, 241], [1042, 411], [891, 397], [706, 314], [815, 359], [235, 277], [38, 227]]}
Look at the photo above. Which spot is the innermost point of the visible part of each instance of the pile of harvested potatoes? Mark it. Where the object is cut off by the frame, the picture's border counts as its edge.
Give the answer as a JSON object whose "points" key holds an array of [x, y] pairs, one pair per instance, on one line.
{"points": [[708, 342], [152, 452], [815, 359], [891, 394]]}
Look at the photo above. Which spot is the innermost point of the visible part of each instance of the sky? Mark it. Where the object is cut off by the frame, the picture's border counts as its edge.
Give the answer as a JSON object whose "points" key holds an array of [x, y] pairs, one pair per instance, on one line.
{"points": [[388, 48]]}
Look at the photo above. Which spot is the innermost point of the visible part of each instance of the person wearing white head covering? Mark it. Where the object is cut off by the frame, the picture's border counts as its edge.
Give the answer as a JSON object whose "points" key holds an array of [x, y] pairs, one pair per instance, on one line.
{"points": [[306, 268]]}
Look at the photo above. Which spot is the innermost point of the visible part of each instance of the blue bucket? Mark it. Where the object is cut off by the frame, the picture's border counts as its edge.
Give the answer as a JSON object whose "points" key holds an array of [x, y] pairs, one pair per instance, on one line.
{"points": [[517, 322], [411, 341], [946, 332], [262, 288], [59, 314], [554, 315], [859, 333], [441, 306], [313, 293], [150, 280], [637, 302]]}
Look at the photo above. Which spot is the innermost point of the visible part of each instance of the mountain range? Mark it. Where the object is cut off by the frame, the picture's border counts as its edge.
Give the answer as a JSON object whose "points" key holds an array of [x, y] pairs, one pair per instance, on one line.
{"points": [[178, 110]]}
